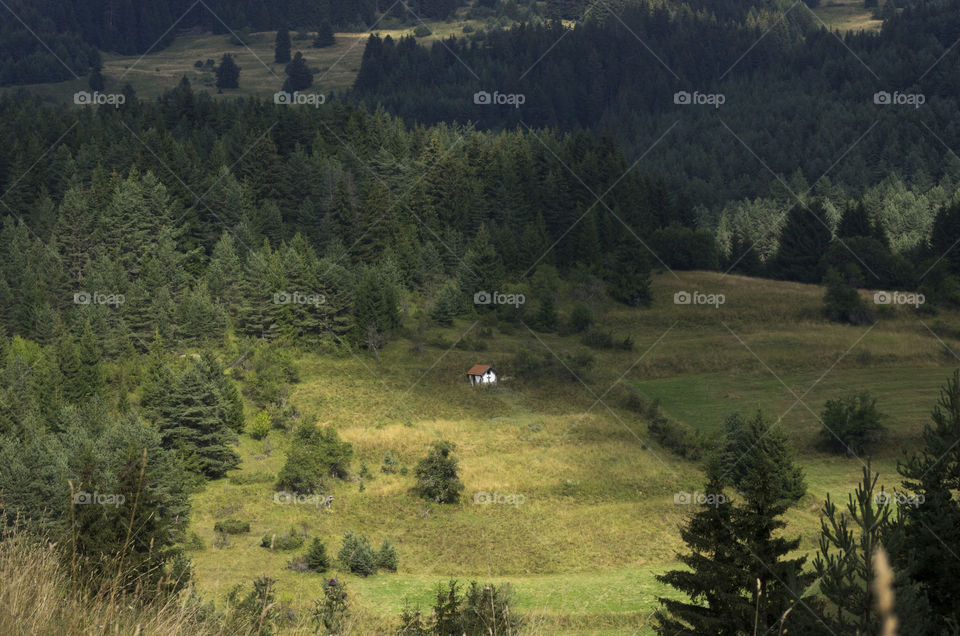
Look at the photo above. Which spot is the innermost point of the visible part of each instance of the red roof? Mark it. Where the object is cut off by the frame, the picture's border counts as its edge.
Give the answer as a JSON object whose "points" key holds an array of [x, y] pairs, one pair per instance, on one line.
{"points": [[479, 369]]}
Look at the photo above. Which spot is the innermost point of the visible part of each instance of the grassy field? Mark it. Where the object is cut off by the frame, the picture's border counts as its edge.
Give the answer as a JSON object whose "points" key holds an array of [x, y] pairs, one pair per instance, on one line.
{"points": [[598, 520], [847, 15], [335, 67]]}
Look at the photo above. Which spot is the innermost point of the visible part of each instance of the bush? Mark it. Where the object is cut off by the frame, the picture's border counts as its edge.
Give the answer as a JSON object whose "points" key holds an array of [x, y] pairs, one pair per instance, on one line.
{"points": [[231, 526], [581, 318], [852, 424], [317, 559], [436, 474], [261, 425], [387, 557], [289, 541], [390, 464], [679, 438], [422, 31], [597, 339], [842, 302], [314, 454], [356, 556]]}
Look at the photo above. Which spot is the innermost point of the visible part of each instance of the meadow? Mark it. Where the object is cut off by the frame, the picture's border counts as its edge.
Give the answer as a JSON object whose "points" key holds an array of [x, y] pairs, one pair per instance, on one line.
{"points": [[598, 520]]}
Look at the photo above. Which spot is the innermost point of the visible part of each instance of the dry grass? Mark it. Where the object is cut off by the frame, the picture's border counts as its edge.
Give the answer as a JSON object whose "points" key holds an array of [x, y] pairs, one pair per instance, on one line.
{"points": [[37, 597]]}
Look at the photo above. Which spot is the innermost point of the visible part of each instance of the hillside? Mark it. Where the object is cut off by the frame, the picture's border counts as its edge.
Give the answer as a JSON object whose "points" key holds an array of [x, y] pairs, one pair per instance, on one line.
{"points": [[598, 520]]}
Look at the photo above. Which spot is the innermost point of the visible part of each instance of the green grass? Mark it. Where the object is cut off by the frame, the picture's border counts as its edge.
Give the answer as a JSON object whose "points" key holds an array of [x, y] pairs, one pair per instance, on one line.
{"points": [[598, 521]]}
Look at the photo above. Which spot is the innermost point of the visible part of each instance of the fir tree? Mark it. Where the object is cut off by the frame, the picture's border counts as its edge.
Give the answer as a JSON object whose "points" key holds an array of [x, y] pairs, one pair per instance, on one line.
{"points": [[228, 73], [195, 419], [281, 47], [299, 75], [324, 36]]}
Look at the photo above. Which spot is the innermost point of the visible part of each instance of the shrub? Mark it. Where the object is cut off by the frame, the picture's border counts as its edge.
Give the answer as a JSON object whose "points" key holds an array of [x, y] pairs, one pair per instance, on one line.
{"points": [[317, 559], [261, 425], [436, 474], [597, 339], [852, 424], [198, 64], [581, 318], [356, 556], [679, 438], [314, 453], [289, 541], [842, 302], [232, 526], [387, 557], [390, 464], [487, 610], [422, 31]]}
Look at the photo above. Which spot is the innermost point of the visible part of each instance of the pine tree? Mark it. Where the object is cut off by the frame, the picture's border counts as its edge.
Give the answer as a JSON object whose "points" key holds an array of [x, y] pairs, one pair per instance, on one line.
{"points": [[281, 47], [844, 564], [228, 73]]}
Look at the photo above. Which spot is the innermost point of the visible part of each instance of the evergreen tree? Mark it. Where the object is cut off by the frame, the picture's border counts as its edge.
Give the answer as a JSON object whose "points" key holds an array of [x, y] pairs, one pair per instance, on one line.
{"points": [[714, 579], [281, 47], [324, 37], [195, 417], [437, 474], [749, 558], [96, 82], [926, 530], [299, 75], [844, 564], [228, 73], [803, 242]]}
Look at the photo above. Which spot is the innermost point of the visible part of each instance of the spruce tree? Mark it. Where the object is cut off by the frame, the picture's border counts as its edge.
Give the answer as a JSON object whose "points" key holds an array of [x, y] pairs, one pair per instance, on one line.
{"points": [[281, 47], [714, 579], [196, 417], [804, 240], [228, 73], [324, 37], [299, 75]]}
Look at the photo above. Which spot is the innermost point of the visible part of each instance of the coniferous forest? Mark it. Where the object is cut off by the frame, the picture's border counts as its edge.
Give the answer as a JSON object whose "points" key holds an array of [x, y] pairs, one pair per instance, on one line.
{"points": [[627, 317]]}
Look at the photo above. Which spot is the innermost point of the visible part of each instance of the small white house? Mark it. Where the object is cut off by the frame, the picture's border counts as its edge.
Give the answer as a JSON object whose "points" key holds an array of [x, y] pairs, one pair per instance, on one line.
{"points": [[482, 374]]}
